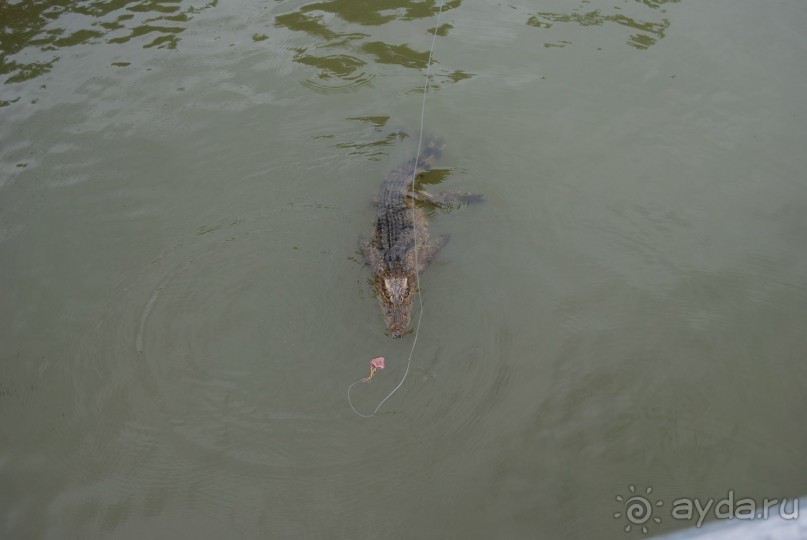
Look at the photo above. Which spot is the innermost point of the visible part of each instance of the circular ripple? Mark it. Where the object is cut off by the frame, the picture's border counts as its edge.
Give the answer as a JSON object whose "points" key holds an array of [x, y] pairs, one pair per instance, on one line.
{"points": [[212, 369], [201, 347], [344, 84], [337, 73]]}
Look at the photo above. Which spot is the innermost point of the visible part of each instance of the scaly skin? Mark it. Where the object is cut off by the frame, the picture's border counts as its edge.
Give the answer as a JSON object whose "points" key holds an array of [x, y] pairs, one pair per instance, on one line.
{"points": [[393, 250]]}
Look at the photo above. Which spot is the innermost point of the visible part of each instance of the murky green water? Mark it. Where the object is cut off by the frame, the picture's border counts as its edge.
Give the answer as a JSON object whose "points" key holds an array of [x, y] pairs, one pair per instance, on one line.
{"points": [[182, 308]]}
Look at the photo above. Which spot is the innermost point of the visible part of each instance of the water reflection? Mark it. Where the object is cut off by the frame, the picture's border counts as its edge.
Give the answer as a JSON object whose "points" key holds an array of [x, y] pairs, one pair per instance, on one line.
{"points": [[377, 12], [402, 55], [649, 31], [373, 145], [311, 24], [346, 54], [31, 30], [337, 24]]}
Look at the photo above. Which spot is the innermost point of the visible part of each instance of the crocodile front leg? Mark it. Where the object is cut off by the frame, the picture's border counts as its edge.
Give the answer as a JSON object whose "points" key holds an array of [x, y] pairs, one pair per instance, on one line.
{"points": [[447, 199]]}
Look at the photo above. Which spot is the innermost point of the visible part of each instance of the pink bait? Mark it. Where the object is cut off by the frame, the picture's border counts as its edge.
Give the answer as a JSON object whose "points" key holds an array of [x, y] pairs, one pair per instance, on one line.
{"points": [[377, 362]]}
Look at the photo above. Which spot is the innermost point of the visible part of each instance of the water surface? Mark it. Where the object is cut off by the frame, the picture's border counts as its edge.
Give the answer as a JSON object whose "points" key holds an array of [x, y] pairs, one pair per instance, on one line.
{"points": [[182, 306]]}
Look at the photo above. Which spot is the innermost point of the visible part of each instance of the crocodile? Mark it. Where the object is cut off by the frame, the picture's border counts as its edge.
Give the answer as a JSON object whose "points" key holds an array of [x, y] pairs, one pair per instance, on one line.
{"points": [[400, 247]]}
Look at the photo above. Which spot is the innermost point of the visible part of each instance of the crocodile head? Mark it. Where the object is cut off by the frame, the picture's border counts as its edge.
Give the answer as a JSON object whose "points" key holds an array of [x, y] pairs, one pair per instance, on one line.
{"points": [[396, 294]]}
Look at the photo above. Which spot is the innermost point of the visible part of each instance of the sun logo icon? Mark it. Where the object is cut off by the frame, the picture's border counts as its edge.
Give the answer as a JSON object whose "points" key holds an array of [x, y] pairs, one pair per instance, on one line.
{"points": [[638, 509]]}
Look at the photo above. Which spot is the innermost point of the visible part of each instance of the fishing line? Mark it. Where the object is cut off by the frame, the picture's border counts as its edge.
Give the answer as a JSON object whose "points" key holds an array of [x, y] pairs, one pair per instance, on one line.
{"points": [[414, 231]]}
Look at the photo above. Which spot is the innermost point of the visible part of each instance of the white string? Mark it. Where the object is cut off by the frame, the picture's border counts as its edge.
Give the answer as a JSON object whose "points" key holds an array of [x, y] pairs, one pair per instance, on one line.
{"points": [[414, 229]]}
